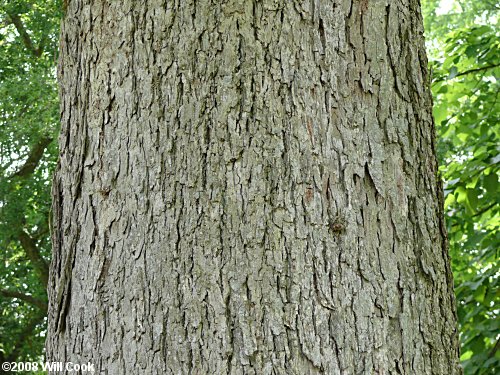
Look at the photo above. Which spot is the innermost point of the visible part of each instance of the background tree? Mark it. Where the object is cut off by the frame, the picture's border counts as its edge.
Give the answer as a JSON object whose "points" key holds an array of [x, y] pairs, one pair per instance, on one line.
{"points": [[28, 123], [248, 187]]}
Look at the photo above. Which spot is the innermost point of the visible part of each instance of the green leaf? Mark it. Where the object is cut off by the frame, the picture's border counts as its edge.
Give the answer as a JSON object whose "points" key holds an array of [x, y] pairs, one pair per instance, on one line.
{"points": [[440, 113], [490, 183], [453, 71]]}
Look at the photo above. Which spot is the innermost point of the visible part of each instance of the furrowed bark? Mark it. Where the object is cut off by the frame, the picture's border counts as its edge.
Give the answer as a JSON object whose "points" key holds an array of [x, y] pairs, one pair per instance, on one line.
{"points": [[249, 187]]}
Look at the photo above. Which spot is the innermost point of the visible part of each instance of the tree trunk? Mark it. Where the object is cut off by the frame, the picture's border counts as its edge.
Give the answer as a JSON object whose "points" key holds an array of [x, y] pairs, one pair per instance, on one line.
{"points": [[249, 187]]}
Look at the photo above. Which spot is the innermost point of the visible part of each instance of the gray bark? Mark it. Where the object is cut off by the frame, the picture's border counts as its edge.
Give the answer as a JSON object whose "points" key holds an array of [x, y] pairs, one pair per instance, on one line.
{"points": [[248, 187]]}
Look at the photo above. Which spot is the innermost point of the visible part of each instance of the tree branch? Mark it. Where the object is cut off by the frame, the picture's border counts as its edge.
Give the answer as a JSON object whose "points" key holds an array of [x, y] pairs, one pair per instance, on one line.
{"points": [[480, 212], [42, 305], [31, 249], [27, 242], [475, 70], [34, 157], [18, 23], [495, 348], [484, 209]]}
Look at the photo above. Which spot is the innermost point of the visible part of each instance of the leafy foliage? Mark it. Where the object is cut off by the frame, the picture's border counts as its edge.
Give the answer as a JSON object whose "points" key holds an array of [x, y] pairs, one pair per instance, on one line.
{"points": [[464, 47], [28, 123]]}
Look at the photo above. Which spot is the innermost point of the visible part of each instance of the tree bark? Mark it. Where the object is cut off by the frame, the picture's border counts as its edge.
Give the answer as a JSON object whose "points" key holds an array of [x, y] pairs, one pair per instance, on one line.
{"points": [[249, 187]]}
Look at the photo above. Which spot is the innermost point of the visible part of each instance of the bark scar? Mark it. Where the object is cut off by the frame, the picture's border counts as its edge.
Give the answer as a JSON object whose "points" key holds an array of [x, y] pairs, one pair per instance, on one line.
{"points": [[364, 6]]}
